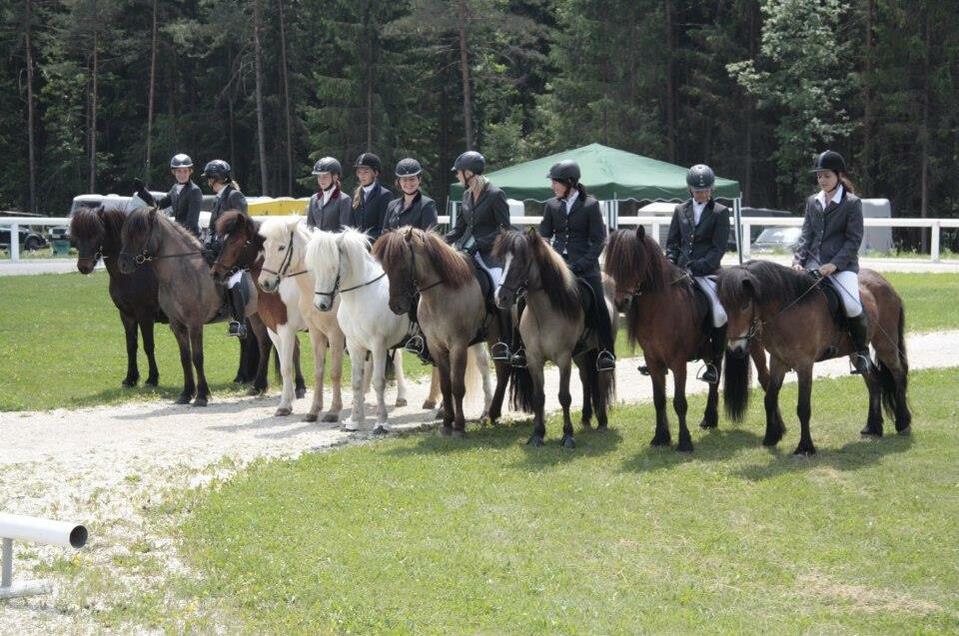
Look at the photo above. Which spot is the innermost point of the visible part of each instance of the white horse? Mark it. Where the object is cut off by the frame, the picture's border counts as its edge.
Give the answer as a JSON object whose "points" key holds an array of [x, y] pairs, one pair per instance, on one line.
{"points": [[284, 249]]}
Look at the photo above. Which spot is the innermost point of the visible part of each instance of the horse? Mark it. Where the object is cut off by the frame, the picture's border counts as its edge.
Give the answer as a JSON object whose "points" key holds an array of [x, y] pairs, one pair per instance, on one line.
{"points": [[552, 327], [284, 271], [242, 249], [666, 319], [791, 310], [452, 313], [96, 234], [186, 292], [343, 269]]}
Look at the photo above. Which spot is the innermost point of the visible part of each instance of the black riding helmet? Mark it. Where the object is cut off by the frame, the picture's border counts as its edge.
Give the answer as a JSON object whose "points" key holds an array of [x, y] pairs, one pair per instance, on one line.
{"points": [[217, 169], [700, 177], [470, 160], [829, 160], [181, 161], [566, 171], [408, 167], [369, 160], [327, 164]]}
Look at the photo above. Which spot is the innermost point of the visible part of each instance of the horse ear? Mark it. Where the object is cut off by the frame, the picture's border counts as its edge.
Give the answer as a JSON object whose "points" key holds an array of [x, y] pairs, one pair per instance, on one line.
{"points": [[641, 232], [409, 233], [531, 231], [749, 288]]}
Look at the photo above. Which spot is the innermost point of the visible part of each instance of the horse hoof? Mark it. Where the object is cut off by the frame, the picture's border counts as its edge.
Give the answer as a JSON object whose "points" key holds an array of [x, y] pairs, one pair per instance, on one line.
{"points": [[446, 431], [459, 433], [309, 417], [708, 424], [331, 417], [352, 426], [871, 431], [429, 404], [685, 447], [152, 382], [905, 431], [770, 441], [602, 427], [569, 443], [535, 440], [254, 391], [586, 425], [804, 452], [660, 441], [128, 383], [380, 429], [400, 402], [300, 394], [183, 399], [199, 402]]}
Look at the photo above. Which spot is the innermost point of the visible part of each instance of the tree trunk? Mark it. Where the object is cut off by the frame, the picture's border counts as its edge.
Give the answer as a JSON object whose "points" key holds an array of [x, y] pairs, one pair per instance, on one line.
{"points": [[92, 130], [868, 105], [30, 125], [153, 66], [924, 131], [260, 127], [370, 70], [286, 100], [670, 84], [465, 75]]}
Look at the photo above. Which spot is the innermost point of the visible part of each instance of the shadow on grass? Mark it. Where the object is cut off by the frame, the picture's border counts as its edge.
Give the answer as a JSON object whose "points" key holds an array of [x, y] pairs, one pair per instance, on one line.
{"points": [[120, 394], [503, 435], [589, 443], [852, 456], [716, 445]]}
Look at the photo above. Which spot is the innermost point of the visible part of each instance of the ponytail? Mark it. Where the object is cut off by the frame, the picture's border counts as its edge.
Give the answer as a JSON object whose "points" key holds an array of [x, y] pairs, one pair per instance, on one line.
{"points": [[357, 197], [847, 183]]}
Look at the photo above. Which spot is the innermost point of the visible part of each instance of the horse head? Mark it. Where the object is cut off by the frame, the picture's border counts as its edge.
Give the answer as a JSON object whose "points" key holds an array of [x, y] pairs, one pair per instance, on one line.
{"points": [[394, 251], [514, 249], [281, 251], [87, 231], [239, 245], [738, 290], [635, 262], [324, 262], [139, 238]]}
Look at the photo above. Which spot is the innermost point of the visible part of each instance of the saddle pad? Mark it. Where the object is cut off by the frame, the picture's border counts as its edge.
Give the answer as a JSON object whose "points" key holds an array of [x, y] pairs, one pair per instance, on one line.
{"points": [[834, 303]]}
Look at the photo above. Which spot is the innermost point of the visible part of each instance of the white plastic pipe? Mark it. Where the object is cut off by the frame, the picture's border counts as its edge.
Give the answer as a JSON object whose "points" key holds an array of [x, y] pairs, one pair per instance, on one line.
{"points": [[62, 533]]}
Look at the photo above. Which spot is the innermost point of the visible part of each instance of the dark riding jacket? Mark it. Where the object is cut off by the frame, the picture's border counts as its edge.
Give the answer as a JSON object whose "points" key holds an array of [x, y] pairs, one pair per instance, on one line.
{"points": [[480, 222], [421, 214], [333, 216], [229, 199], [368, 216], [186, 204], [698, 247], [832, 235], [579, 237]]}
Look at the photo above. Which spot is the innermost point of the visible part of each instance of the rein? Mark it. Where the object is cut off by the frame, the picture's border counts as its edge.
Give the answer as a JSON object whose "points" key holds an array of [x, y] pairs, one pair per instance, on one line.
{"points": [[287, 261]]}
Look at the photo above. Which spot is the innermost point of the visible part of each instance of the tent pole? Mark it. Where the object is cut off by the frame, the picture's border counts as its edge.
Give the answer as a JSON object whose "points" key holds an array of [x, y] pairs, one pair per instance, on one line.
{"points": [[737, 212]]}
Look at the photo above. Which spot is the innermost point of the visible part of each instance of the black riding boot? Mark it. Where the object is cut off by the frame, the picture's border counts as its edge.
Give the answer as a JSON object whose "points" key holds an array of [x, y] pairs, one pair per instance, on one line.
{"points": [[238, 308], [518, 359], [606, 358], [500, 351], [416, 344], [717, 342], [859, 331]]}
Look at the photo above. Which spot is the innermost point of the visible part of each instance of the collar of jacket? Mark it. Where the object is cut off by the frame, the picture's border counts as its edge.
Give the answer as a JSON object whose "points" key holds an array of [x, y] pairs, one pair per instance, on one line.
{"points": [[333, 195], [416, 199]]}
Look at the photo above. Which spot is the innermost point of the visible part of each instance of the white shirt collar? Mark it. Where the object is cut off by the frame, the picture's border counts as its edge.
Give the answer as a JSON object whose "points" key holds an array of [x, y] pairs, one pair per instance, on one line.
{"points": [[836, 197], [369, 188], [327, 194], [570, 200], [698, 211]]}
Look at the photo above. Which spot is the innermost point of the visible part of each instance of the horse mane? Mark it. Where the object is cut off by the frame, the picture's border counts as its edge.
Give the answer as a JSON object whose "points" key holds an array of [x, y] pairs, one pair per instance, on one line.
{"points": [[557, 280], [770, 282], [451, 266], [353, 244], [321, 245], [636, 262], [86, 223], [278, 228]]}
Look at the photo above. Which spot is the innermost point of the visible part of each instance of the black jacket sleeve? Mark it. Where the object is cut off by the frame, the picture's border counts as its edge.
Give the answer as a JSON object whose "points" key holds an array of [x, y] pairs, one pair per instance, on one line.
{"points": [[711, 261], [546, 225], [501, 215], [597, 239], [802, 247], [236, 201], [428, 215], [460, 228], [674, 240], [194, 204]]}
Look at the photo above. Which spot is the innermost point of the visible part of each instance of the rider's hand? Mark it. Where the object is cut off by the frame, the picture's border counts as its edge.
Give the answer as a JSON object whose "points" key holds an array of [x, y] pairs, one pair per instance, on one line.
{"points": [[827, 269], [798, 267], [137, 184]]}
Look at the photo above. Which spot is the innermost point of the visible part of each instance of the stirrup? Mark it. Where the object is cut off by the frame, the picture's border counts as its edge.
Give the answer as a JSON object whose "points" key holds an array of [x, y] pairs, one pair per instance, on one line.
{"points": [[860, 363], [708, 373], [518, 359], [643, 369], [237, 329], [415, 345], [605, 361], [500, 352]]}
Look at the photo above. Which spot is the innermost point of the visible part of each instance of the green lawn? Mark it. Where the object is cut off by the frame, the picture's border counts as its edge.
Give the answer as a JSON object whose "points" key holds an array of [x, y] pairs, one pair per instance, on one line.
{"points": [[425, 534], [63, 346]]}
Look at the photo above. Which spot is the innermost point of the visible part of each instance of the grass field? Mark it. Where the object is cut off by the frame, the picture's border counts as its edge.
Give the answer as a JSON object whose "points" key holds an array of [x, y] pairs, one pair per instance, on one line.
{"points": [[424, 534], [63, 346]]}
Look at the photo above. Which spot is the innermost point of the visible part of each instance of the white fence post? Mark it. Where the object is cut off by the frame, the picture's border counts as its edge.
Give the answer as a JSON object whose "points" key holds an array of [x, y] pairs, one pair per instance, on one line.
{"points": [[934, 243], [656, 232], [15, 242], [745, 235]]}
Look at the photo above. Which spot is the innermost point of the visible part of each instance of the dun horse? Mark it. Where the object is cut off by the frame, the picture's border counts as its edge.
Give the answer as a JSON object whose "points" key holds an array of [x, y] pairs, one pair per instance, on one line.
{"points": [[552, 327], [452, 312], [798, 329], [667, 321], [96, 234], [187, 293]]}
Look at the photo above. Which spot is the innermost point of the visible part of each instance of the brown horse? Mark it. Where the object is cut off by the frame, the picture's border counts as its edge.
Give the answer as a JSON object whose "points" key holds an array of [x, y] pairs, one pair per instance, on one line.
{"points": [[452, 311], [243, 249], [187, 293], [792, 312], [96, 234], [667, 320], [551, 326]]}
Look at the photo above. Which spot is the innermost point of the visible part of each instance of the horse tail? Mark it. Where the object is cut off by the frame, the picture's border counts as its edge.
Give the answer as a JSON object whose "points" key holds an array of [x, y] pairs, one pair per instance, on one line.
{"points": [[893, 389], [390, 372], [474, 399], [521, 389], [736, 372]]}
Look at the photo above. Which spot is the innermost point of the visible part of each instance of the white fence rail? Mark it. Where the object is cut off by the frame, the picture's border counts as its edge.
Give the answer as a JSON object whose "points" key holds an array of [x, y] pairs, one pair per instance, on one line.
{"points": [[653, 224]]}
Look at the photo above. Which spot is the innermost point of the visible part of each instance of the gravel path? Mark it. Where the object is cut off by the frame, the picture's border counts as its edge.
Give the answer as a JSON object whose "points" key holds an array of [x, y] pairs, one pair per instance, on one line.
{"points": [[113, 467]]}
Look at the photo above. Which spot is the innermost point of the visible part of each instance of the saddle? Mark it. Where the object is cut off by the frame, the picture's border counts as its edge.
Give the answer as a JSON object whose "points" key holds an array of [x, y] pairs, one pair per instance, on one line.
{"points": [[587, 300], [838, 314], [485, 282]]}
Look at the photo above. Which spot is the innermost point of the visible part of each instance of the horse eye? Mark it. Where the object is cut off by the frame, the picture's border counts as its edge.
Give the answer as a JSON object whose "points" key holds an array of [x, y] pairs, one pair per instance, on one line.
{"points": [[283, 247]]}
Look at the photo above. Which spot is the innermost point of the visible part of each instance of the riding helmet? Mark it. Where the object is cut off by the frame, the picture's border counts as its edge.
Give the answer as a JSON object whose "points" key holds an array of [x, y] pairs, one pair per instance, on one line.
{"points": [[470, 160], [369, 160], [217, 169], [181, 161], [408, 167], [327, 164], [565, 170], [829, 160], [700, 177]]}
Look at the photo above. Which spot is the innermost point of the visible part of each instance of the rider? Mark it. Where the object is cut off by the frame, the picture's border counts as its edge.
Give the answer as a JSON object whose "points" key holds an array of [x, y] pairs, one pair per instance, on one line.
{"points": [[573, 224], [228, 197], [415, 209], [483, 214], [185, 197], [370, 198], [697, 240], [831, 236], [330, 208]]}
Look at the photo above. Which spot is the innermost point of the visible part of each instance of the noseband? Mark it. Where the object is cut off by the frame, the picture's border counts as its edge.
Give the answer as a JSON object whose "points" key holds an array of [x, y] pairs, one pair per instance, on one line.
{"points": [[285, 264]]}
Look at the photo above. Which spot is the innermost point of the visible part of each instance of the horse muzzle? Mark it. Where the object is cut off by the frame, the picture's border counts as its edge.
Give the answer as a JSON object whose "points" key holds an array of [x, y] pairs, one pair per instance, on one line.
{"points": [[323, 303], [269, 282], [127, 264], [738, 347], [85, 265], [399, 306]]}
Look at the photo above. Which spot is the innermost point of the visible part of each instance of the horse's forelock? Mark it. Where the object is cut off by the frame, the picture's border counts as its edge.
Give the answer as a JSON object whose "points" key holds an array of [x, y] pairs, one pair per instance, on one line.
{"points": [[730, 286], [508, 242], [137, 226], [278, 229], [390, 250], [86, 224], [228, 221], [321, 250], [622, 259]]}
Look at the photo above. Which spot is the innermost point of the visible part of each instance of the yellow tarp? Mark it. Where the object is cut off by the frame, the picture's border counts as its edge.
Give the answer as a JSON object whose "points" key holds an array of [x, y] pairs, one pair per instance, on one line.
{"points": [[279, 206]]}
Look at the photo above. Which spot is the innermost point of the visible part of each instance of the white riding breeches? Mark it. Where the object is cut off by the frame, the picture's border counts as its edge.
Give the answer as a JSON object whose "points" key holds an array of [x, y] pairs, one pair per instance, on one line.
{"points": [[234, 280], [496, 273], [846, 284], [708, 285]]}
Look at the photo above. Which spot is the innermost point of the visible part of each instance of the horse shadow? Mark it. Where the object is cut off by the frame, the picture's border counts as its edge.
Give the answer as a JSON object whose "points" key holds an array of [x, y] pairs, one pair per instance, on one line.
{"points": [[714, 445], [589, 443], [217, 407], [502, 435], [852, 456]]}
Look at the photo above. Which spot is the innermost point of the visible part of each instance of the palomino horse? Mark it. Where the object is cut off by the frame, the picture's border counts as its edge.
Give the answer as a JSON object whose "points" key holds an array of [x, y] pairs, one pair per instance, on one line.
{"points": [[666, 320], [452, 312], [551, 326], [242, 249], [187, 293], [96, 234], [798, 330], [284, 251], [343, 268]]}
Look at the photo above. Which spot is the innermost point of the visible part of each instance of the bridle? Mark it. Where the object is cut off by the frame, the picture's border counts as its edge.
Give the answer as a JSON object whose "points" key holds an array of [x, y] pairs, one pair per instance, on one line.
{"points": [[145, 256], [286, 262], [336, 283], [416, 288]]}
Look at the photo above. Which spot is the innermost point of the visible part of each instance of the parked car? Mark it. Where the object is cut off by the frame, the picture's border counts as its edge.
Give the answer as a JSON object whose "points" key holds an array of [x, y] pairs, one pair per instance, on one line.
{"points": [[754, 230], [29, 240], [777, 239]]}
